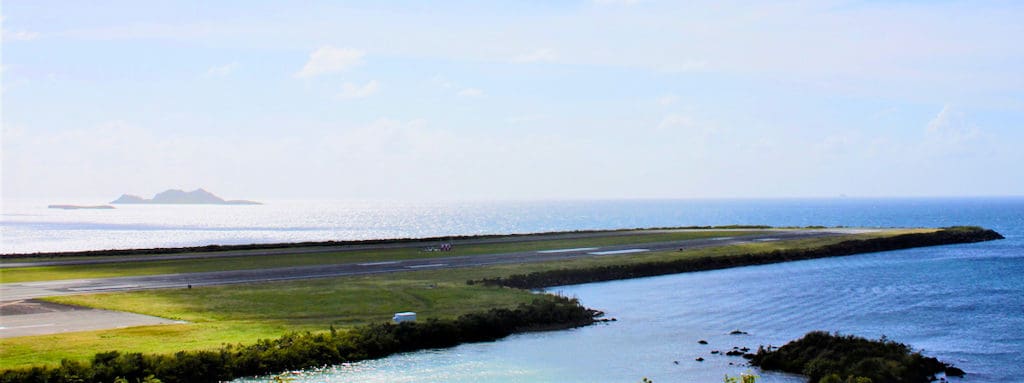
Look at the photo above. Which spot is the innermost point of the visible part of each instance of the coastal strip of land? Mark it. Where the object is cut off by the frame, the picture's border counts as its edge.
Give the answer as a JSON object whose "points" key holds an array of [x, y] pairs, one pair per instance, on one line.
{"points": [[45, 288], [433, 284], [191, 252], [28, 269], [662, 267]]}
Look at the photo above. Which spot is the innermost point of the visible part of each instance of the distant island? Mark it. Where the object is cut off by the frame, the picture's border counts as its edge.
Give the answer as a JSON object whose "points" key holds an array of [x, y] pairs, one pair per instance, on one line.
{"points": [[77, 207], [181, 197]]}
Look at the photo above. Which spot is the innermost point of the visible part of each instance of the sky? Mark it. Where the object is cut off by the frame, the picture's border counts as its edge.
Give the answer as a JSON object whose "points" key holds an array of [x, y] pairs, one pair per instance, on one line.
{"points": [[517, 100]]}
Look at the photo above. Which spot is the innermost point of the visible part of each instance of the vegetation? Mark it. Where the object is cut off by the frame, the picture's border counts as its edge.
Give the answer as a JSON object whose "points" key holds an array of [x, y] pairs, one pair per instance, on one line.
{"points": [[741, 378], [304, 350], [828, 358], [244, 313], [645, 269]]}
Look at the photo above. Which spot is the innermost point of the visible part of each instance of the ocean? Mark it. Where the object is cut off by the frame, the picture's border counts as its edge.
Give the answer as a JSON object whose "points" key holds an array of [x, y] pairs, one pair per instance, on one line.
{"points": [[963, 303]]}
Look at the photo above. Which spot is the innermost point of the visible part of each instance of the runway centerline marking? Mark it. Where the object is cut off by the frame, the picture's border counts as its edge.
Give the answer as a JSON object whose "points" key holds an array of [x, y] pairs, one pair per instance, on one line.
{"points": [[566, 250], [425, 266], [378, 263], [108, 287], [613, 252]]}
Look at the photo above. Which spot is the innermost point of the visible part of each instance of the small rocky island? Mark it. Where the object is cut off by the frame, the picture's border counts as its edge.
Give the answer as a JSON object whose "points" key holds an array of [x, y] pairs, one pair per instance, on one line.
{"points": [[181, 197], [827, 358]]}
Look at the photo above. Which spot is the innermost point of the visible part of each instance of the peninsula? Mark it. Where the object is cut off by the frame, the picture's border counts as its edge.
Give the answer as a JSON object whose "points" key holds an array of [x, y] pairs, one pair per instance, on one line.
{"points": [[181, 197], [267, 309], [79, 207]]}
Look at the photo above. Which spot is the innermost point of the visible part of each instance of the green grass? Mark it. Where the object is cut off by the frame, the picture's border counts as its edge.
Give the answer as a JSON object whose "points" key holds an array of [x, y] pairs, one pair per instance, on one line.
{"points": [[47, 273], [81, 346], [244, 313]]}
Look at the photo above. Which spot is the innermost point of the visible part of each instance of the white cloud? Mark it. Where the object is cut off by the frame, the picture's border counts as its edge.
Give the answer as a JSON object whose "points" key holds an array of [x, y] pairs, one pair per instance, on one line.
{"points": [[696, 138], [841, 144], [464, 91], [667, 99], [442, 82], [618, 2], [19, 35], [352, 91], [329, 59], [950, 133], [942, 121], [525, 119], [540, 55], [683, 65], [906, 45], [471, 92], [222, 70], [676, 122]]}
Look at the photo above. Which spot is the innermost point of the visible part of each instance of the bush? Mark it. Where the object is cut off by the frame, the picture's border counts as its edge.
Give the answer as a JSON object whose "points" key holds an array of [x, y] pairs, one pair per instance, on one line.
{"points": [[826, 358]]}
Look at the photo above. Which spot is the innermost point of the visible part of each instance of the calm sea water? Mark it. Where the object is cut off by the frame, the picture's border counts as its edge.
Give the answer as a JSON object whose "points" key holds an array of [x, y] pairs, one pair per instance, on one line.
{"points": [[31, 227], [963, 304]]}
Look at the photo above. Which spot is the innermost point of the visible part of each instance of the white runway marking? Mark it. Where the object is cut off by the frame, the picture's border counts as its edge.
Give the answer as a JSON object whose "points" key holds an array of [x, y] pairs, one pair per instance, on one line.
{"points": [[430, 265], [28, 326], [566, 250], [721, 238], [766, 239], [53, 283], [612, 252], [107, 287], [378, 263]]}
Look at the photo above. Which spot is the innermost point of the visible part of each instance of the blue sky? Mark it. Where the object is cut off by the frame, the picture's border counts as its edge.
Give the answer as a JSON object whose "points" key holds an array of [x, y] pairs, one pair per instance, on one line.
{"points": [[514, 100]]}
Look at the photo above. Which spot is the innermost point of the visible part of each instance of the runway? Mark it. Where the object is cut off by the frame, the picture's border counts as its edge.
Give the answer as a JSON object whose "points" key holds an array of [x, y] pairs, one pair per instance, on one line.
{"points": [[45, 260], [31, 290]]}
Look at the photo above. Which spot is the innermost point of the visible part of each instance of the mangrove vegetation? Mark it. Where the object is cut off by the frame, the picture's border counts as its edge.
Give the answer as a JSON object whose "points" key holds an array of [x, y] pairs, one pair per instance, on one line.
{"points": [[834, 358]]}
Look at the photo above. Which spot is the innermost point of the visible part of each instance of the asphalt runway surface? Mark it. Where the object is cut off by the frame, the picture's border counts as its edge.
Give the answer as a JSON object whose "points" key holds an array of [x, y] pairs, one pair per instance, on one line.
{"points": [[36, 261], [31, 290], [25, 318]]}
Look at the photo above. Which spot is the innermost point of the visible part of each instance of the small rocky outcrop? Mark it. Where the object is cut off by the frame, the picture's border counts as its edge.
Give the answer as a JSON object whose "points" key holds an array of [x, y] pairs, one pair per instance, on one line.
{"points": [[953, 371]]}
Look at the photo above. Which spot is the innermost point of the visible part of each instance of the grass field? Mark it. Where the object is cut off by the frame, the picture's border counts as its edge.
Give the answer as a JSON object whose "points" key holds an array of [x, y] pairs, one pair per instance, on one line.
{"points": [[243, 313], [46, 273]]}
